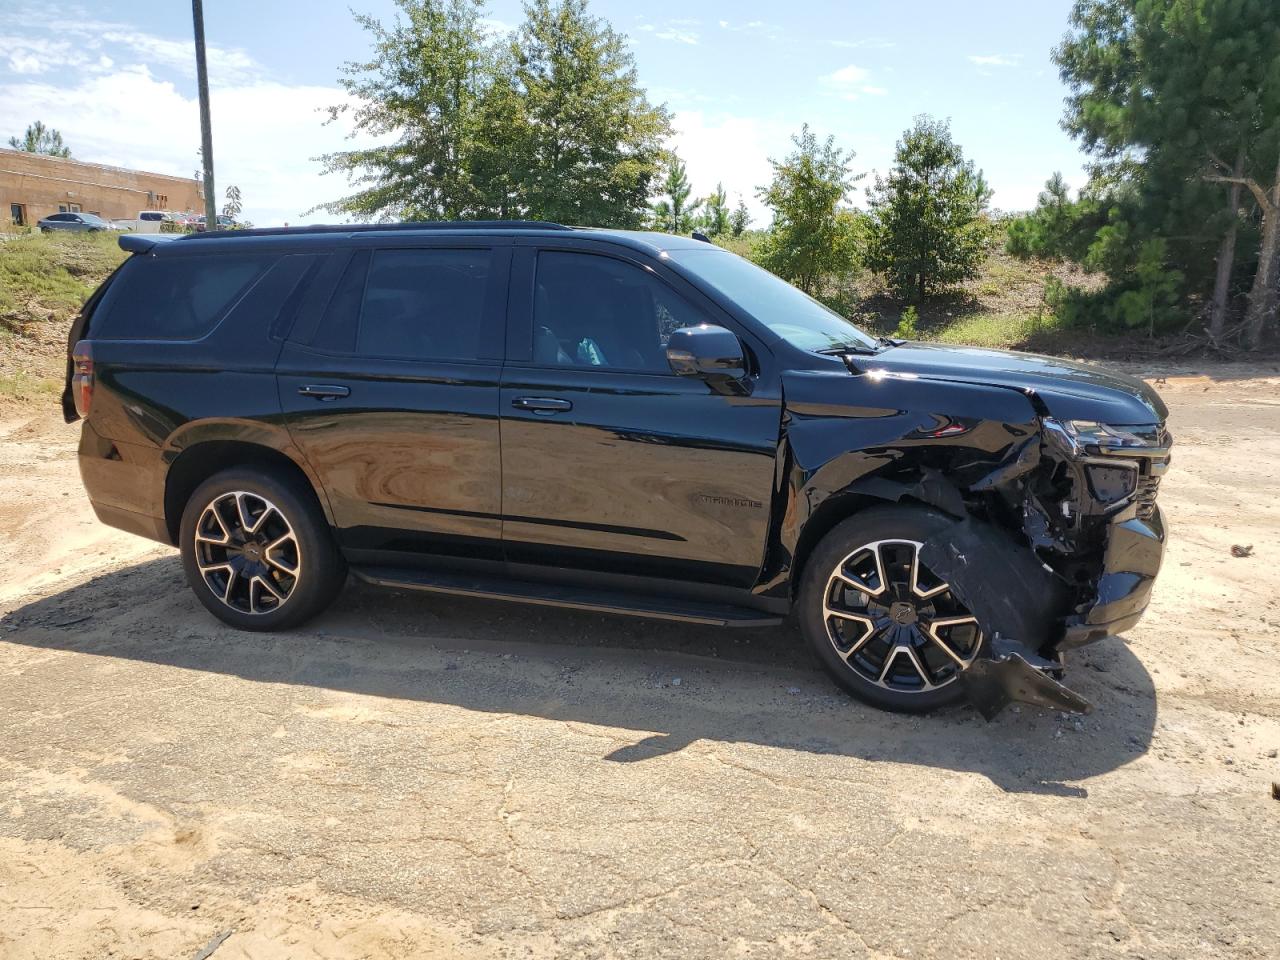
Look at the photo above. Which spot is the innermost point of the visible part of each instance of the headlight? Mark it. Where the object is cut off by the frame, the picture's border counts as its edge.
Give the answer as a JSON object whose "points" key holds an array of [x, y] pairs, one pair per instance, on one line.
{"points": [[1094, 434], [1083, 437]]}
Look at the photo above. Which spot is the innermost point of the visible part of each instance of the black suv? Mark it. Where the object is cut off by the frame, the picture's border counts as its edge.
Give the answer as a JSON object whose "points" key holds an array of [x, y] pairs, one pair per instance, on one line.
{"points": [[613, 421]]}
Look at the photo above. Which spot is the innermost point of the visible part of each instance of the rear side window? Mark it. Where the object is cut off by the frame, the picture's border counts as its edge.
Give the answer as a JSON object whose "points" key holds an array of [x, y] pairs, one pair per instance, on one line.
{"points": [[151, 216], [176, 298], [424, 304]]}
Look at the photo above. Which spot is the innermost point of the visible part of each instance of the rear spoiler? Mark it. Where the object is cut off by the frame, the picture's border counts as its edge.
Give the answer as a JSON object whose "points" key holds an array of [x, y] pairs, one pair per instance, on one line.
{"points": [[144, 242]]}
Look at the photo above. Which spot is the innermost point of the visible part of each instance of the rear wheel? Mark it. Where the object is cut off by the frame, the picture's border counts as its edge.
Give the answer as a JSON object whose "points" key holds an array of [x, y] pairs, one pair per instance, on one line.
{"points": [[257, 551], [886, 627]]}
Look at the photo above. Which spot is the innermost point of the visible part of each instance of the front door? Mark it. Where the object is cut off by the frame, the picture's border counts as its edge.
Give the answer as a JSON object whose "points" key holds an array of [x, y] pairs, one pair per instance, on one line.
{"points": [[391, 394], [610, 462]]}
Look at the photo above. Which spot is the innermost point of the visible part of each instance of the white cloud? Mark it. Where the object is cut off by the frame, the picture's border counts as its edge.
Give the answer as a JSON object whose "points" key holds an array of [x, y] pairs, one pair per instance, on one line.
{"points": [[769, 31], [867, 43], [996, 60], [681, 30], [25, 63], [264, 133], [678, 35], [848, 82], [733, 150], [181, 54], [27, 55]]}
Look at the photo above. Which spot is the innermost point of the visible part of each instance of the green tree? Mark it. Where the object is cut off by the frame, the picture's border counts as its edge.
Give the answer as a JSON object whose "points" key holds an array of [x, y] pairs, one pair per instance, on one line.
{"points": [[41, 139], [422, 86], [1186, 95], [674, 211], [716, 215], [740, 219], [928, 224], [586, 147], [233, 206], [809, 240]]}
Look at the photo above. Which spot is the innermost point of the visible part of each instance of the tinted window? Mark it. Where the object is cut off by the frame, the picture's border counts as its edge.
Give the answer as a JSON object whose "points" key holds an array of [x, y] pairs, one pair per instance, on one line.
{"points": [[59, 217], [592, 311], [176, 298], [424, 304], [150, 216]]}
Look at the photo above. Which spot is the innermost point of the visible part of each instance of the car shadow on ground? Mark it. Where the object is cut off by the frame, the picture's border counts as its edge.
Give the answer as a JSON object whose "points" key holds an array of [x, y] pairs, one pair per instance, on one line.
{"points": [[741, 686]]}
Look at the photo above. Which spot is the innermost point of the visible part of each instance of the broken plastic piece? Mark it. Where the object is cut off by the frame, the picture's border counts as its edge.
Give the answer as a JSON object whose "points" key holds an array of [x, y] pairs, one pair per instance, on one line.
{"points": [[993, 684]]}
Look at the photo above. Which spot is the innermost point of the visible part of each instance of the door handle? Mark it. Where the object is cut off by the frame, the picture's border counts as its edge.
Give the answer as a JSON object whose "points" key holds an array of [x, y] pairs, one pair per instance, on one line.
{"points": [[324, 391], [542, 404]]}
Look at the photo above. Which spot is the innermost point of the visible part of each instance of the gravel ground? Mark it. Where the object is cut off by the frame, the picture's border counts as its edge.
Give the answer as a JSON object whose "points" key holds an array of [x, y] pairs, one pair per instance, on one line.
{"points": [[419, 777]]}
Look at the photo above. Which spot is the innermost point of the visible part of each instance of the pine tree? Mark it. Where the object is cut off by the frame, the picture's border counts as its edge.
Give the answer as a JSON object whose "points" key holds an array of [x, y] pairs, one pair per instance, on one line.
{"points": [[1184, 94], [929, 228], [674, 211], [715, 217], [41, 139], [740, 219]]}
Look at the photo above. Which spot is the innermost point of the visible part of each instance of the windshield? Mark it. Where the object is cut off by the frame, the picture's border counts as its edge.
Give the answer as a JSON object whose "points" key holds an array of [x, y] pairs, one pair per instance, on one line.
{"points": [[91, 218], [795, 316]]}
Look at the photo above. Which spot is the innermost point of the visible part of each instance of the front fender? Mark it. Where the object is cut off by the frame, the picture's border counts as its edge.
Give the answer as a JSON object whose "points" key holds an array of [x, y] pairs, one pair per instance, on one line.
{"points": [[849, 440]]}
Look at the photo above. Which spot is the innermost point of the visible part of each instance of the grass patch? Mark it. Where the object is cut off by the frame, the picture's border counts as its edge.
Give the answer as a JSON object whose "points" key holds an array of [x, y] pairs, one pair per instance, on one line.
{"points": [[26, 386], [44, 279], [994, 329], [48, 276]]}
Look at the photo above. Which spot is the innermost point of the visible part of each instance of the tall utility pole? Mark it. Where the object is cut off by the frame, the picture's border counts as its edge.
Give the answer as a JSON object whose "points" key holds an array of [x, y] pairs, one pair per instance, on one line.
{"points": [[206, 129]]}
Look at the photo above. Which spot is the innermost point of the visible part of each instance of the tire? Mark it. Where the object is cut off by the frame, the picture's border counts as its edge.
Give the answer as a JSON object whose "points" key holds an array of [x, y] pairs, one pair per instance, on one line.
{"points": [[896, 610], [257, 524]]}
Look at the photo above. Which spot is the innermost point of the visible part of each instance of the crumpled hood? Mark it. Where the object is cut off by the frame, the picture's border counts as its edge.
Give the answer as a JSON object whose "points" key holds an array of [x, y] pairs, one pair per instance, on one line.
{"points": [[1069, 390]]}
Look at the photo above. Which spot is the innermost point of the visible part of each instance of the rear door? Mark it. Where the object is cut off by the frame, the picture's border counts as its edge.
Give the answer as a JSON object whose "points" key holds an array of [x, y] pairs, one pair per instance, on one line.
{"points": [[610, 462], [391, 393]]}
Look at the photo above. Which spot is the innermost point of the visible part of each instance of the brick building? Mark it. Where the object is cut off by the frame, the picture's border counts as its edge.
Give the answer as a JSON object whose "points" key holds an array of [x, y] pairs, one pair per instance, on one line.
{"points": [[33, 186]]}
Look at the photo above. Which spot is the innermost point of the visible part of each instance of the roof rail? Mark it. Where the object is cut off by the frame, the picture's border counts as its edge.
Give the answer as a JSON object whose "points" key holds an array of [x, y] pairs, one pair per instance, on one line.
{"points": [[381, 227]]}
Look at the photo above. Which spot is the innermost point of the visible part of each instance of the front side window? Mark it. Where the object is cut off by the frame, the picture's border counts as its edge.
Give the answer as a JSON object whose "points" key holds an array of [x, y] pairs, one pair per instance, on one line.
{"points": [[595, 311], [424, 304]]}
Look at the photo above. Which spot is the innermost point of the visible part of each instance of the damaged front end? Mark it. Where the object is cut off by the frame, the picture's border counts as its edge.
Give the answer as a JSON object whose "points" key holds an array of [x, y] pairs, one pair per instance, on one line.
{"points": [[1080, 499]]}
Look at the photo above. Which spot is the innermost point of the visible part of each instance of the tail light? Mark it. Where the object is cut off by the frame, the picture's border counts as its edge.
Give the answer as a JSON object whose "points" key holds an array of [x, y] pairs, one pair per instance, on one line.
{"points": [[82, 377]]}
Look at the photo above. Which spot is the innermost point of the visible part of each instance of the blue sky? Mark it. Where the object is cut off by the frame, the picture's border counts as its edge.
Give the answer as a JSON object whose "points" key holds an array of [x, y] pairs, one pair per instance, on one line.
{"points": [[117, 79]]}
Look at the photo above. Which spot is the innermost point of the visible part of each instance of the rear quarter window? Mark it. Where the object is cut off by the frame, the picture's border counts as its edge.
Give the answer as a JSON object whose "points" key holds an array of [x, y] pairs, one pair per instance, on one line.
{"points": [[176, 298]]}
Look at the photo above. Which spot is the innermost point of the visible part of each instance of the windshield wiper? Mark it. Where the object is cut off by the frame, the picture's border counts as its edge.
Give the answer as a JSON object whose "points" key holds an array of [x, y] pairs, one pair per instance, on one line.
{"points": [[843, 348], [887, 342]]}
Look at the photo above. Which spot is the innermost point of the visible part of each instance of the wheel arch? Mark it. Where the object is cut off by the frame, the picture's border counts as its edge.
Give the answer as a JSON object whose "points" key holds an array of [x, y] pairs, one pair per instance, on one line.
{"points": [[863, 495], [198, 461]]}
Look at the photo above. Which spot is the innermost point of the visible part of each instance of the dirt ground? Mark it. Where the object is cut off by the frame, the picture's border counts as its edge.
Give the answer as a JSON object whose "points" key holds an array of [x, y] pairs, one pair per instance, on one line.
{"points": [[420, 777]]}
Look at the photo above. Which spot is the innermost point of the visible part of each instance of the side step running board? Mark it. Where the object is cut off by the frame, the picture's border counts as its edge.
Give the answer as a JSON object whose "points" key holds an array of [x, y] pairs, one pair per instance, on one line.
{"points": [[577, 598]]}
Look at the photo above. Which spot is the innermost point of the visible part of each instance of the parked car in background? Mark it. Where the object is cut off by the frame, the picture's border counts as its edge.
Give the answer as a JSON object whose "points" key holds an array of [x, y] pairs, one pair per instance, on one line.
{"points": [[224, 223], [148, 221], [76, 222], [619, 422]]}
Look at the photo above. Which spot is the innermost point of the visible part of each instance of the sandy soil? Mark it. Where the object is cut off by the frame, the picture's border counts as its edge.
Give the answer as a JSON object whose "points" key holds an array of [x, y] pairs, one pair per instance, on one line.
{"points": [[413, 777]]}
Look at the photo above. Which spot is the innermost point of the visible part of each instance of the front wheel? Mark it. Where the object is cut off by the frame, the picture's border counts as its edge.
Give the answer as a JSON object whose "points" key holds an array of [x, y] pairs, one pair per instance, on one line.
{"points": [[887, 628], [257, 551]]}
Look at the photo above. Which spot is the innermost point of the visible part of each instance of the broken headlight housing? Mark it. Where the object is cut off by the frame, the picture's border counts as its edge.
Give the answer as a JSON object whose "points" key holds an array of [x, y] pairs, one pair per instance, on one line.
{"points": [[1089, 433], [1083, 438], [1120, 462]]}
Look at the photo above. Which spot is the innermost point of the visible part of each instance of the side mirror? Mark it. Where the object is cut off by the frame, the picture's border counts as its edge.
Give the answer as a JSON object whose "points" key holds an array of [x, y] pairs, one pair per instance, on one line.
{"points": [[707, 351]]}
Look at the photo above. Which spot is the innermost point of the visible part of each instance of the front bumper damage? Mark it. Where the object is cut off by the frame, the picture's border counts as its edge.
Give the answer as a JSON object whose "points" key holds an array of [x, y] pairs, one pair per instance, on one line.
{"points": [[1081, 568]]}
